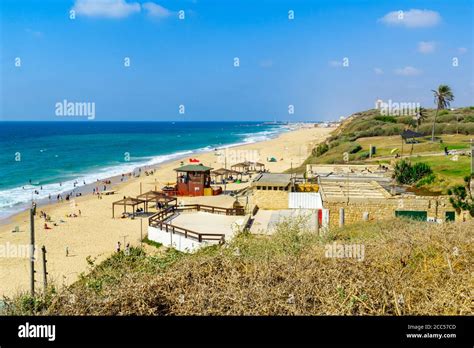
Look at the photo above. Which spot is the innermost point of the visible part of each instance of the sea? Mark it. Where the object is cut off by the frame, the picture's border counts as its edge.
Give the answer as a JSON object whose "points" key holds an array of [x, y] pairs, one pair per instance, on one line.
{"points": [[38, 159]]}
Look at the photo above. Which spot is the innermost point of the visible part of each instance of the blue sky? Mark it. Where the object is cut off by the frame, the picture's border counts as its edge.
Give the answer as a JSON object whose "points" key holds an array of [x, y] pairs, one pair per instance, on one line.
{"points": [[190, 61]]}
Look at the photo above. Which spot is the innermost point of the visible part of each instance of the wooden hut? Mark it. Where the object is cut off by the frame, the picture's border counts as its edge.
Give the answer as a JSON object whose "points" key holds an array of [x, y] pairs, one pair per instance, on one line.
{"points": [[192, 180]]}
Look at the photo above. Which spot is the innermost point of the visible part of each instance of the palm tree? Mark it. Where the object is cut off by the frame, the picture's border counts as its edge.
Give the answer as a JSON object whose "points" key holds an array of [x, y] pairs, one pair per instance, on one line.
{"points": [[420, 117], [442, 98]]}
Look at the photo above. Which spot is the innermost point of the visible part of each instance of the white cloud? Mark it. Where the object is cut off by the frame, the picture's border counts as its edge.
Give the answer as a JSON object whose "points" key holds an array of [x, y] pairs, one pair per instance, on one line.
{"points": [[378, 71], [462, 50], [156, 10], [335, 63], [105, 8], [413, 18], [426, 47], [408, 71]]}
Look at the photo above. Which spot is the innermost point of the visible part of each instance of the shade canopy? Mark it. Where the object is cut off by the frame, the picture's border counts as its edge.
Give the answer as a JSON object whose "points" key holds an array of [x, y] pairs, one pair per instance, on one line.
{"points": [[193, 168], [127, 201], [248, 165], [223, 171], [409, 134]]}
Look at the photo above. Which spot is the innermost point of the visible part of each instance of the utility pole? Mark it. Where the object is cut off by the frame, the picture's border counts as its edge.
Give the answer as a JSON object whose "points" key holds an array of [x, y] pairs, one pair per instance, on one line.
{"points": [[32, 250], [45, 273]]}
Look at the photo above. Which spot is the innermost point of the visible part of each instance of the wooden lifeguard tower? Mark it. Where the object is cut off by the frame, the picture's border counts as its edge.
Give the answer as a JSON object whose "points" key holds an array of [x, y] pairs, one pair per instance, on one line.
{"points": [[192, 180]]}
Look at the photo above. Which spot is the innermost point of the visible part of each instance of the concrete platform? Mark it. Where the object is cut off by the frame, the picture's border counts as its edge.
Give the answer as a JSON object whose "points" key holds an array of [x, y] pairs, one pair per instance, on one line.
{"points": [[209, 223]]}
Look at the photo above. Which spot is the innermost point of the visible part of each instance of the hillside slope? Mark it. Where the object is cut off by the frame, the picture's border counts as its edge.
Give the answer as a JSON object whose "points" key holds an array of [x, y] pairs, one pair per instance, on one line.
{"points": [[408, 268]]}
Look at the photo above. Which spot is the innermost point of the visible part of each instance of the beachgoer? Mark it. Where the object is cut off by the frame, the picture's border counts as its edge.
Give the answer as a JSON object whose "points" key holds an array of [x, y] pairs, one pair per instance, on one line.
{"points": [[118, 247], [127, 249]]}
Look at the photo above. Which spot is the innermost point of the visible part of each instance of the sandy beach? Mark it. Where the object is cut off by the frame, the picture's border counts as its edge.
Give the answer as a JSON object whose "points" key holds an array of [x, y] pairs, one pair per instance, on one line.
{"points": [[95, 233]]}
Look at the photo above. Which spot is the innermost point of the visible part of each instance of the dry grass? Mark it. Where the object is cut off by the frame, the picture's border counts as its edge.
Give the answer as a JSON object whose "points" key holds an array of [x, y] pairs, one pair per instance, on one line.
{"points": [[409, 268]]}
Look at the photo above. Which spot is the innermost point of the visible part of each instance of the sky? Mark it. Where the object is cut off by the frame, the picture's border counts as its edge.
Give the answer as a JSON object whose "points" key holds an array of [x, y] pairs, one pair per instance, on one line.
{"points": [[300, 60]]}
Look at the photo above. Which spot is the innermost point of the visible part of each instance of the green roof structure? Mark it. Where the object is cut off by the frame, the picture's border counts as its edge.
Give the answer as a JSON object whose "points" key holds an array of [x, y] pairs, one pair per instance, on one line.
{"points": [[193, 168]]}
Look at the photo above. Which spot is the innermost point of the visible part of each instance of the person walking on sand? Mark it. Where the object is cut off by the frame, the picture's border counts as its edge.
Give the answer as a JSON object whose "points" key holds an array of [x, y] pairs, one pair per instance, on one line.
{"points": [[127, 249], [67, 251], [118, 247]]}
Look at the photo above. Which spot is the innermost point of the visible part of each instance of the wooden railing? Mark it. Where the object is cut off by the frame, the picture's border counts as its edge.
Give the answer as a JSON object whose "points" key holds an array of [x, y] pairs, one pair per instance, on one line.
{"points": [[158, 220], [212, 209]]}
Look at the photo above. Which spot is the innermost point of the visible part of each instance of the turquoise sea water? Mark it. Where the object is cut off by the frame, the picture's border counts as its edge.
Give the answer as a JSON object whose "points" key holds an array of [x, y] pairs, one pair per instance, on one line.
{"points": [[37, 156]]}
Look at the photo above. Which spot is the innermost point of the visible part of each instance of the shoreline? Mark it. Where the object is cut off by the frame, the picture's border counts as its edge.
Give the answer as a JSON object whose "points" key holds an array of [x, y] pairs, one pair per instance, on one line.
{"points": [[87, 188], [95, 233]]}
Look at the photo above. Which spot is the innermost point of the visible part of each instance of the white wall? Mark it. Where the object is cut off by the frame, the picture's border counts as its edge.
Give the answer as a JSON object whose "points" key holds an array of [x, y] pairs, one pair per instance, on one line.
{"points": [[176, 240], [305, 200]]}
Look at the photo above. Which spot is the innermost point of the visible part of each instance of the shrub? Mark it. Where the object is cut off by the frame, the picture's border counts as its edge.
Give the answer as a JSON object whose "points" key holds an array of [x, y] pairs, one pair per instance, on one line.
{"points": [[468, 118], [407, 174], [445, 118], [389, 119], [363, 155], [420, 170], [320, 150], [355, 148], [461, 197], [406, 120], [443, 112], [429, 179], [402, 172]]}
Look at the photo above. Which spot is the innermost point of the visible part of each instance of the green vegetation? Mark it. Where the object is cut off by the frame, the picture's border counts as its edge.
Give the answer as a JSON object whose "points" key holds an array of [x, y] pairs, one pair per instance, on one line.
{"points": [[320, 150], [389, 119], [448, 172], [370, 127], [151, 242], [443, 97], [462, 197], [408, 268], [453, 131], [406, 173]]}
